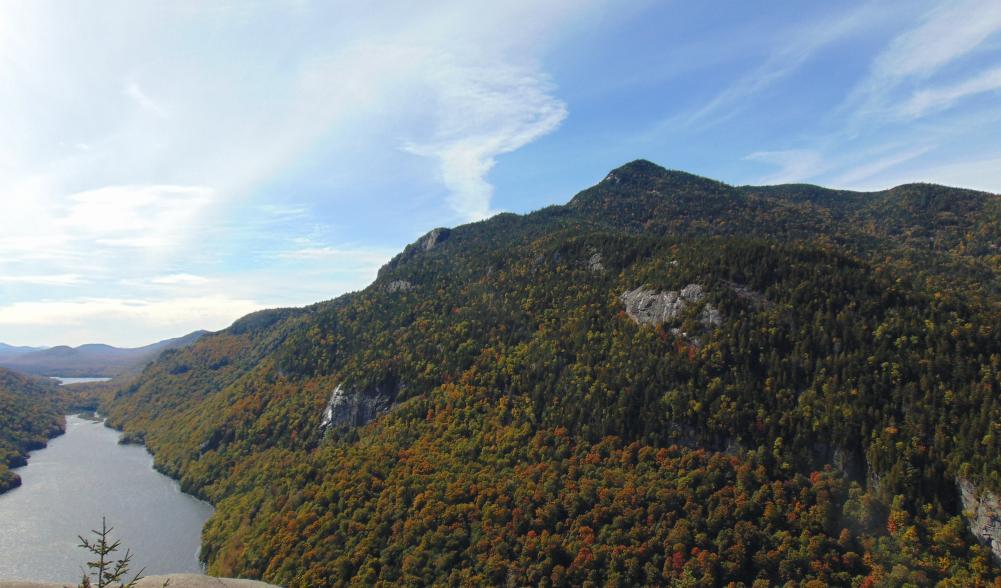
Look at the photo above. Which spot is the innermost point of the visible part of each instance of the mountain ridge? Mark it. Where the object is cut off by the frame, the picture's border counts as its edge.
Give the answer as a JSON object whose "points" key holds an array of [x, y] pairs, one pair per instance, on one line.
{"points": [[839, 361], [91, 359]]}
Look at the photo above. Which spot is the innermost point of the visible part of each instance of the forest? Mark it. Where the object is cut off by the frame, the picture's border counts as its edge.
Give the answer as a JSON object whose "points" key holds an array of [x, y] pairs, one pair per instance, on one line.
{"points": [[487, 412], [31, 413]]}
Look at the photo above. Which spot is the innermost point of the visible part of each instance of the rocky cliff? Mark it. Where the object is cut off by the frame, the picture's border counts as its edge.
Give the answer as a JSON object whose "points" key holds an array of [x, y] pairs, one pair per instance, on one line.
{"points": [[983, 513]]}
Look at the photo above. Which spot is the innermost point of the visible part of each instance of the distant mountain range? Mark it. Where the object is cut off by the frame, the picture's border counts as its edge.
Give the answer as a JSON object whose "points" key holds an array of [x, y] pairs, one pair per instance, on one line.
{"points": [[13, 350], [87, 361]]}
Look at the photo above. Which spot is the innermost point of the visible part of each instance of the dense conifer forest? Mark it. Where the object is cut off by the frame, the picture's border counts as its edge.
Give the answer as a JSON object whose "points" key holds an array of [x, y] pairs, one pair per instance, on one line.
{"points": [[491, 411]]}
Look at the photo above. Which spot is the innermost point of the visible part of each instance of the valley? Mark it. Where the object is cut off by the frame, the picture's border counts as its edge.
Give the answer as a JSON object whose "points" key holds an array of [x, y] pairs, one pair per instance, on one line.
{"points": [[503, 403]]}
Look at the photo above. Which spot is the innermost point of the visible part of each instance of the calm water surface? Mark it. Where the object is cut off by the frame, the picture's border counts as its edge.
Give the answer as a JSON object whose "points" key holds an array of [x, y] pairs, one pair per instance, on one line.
{"points": [[77, 380], [68, 486]]}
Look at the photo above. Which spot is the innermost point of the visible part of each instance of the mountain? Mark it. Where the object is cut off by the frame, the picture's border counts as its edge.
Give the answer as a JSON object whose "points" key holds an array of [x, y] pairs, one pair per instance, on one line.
{"points": [[92, 360], [30, 414], [7, 351], [669, 380]]}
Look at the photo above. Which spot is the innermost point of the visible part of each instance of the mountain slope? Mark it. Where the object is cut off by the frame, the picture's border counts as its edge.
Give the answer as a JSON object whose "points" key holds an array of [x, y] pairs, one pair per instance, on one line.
{"points": [[30, 414], [92, 360], [667, 378]]}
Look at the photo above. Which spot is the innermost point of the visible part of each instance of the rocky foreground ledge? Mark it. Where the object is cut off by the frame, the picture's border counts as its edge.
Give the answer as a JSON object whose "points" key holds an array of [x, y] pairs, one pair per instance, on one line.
{"points": [[176, 581]]}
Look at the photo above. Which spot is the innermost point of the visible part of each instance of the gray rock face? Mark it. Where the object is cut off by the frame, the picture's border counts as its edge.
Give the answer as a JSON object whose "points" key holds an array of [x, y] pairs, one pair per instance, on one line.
{"points": [[594, 263], [355, 408], [433, 238], [399, 286], [649, 307], [983, 514]]}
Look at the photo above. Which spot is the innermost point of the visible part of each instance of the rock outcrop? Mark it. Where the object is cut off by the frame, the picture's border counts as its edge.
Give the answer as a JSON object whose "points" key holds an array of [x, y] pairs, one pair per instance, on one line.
{"points": [[982, 510], [433, 238], [593, 263], [399, 286], [357, 408], [649, 307]]}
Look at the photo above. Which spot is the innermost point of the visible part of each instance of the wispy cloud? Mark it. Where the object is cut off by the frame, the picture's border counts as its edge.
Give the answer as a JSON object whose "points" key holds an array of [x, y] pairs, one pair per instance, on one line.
{"points": [[857, 175], [44, 280], [928, 100], [135, 92], [209, 310], [180, 279], [794, 165], [484, 111], [795, 50], [948, 32]]}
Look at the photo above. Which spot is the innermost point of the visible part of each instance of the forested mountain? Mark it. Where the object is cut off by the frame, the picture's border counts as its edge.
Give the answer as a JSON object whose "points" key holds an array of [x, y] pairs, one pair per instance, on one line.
{"points": [[92, 360], [668, 380], [30, 414]]}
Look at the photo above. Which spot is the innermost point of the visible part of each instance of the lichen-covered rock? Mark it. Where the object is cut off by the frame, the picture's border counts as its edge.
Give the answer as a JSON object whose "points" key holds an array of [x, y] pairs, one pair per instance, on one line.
{"points": [[594, 263], [982, 510], [649, 307], [399, 286], [356, 408]]}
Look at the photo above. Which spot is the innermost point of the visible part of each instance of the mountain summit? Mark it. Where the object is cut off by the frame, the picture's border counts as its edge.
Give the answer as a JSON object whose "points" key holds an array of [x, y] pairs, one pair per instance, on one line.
{"points": [[667, 380]]}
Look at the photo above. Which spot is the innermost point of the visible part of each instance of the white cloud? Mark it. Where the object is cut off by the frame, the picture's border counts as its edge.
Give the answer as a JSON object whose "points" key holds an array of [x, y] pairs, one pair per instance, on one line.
{"points": [[794, 165], [44, 280], [346, 259], [949, 31], [976, 174], [485, 111], [180, 279], [212, 309], [148, 146], [790, 55], [930, 100], [859, 177], [133, 90], [952, 30]]}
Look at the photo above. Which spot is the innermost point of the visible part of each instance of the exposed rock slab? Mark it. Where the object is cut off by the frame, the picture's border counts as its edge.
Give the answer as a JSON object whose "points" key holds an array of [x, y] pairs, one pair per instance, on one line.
{"points": [[355, 408], [399, 286], [649, 307], [593, 263], [983, 514]]}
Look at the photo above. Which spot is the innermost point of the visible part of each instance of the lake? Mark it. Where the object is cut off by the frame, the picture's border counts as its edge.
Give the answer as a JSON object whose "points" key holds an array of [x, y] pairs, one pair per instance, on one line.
{"points": [[62, 381], [69, 485]]}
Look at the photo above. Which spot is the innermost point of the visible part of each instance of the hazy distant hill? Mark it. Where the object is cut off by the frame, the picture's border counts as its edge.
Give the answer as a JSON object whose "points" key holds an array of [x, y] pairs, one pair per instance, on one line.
{"points": [[87, 361], [7, 351]]}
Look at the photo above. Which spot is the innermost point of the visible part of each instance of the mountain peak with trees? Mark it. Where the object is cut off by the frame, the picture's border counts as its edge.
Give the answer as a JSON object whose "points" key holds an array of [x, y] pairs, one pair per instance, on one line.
{"points": [[504, 419]]}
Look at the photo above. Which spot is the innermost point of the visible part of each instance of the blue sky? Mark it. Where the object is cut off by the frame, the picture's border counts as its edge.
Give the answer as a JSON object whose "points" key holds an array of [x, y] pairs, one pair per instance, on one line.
{"points": [[167, 166]]}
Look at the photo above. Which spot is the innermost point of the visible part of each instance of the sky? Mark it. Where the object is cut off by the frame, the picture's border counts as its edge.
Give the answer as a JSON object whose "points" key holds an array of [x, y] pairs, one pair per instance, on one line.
{"points": [[167, 166]]}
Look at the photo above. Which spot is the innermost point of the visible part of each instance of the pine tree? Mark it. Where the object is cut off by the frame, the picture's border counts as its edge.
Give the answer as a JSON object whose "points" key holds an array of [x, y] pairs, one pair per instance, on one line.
{"points": [[106, 571]]}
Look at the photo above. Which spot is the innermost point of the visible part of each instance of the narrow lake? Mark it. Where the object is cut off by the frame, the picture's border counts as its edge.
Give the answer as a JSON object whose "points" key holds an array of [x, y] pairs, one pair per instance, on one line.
{"points": [[63, 381], [80, 477]]}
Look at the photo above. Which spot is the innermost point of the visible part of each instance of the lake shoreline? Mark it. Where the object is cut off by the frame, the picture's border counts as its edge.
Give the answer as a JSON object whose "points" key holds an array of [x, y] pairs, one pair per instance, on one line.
{"points": [[74, 483]]}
